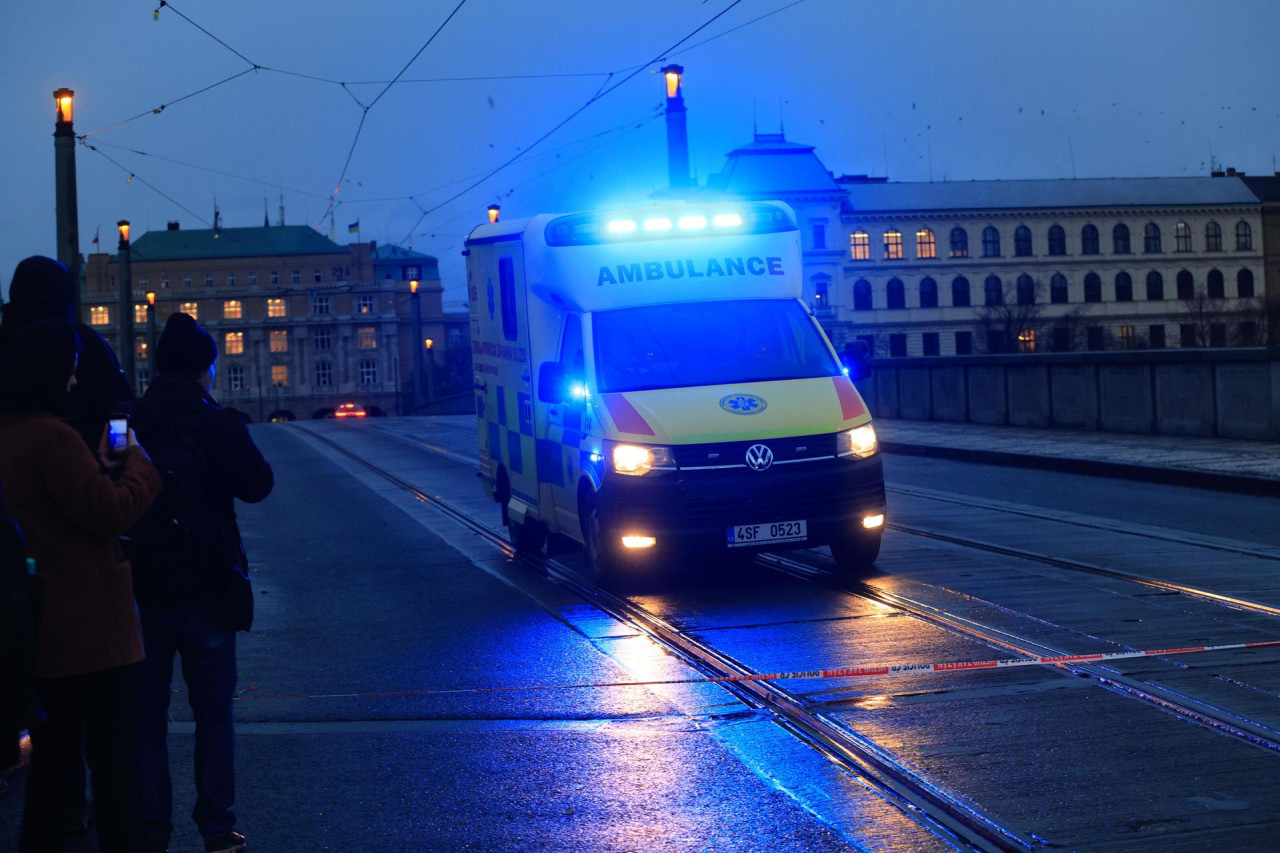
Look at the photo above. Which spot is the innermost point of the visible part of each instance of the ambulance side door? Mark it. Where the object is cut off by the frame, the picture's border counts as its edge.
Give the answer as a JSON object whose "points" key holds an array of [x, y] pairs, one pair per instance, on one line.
{"points": [[565, 431]]}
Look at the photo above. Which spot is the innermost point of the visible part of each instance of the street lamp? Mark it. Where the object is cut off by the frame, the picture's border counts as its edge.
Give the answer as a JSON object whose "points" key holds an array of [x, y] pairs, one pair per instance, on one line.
{"points": [[431, 370], [493, 213], [677, 133], [415, 306], [128, 345], [66, 209], [151, 333]]}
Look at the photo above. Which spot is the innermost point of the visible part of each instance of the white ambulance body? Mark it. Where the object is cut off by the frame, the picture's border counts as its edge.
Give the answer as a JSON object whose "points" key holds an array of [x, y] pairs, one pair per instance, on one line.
{"points": [[649, 383]]}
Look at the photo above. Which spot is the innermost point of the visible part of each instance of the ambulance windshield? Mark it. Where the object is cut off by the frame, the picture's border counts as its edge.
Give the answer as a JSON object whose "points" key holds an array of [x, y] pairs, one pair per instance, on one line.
{"points": [[708, 343]]}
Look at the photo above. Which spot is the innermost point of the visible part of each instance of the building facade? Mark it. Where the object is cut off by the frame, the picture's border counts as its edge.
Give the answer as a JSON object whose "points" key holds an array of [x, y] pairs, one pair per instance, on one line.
{"points": [[302, 324], [957, 268]]}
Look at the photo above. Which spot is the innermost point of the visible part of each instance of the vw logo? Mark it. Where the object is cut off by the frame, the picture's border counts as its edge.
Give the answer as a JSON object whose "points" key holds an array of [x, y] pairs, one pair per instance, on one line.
{"points": [[743, 404], [759, 457]]}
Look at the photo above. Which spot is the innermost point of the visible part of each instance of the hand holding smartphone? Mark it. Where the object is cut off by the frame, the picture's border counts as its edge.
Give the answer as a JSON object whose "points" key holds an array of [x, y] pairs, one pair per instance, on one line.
{"points": [[118, 429]]}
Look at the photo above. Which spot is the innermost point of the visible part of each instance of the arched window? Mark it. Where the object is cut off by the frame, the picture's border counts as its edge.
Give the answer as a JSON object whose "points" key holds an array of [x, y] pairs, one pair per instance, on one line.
{"points": [[1155, 286], [1217, 290], [993, 293], [892, 244], [1244, 236], [959, 243], [1026, 290], [860, 246], [1089, 240], [862, 295], [1182, 236], [895, 294], [960, 292], [1213, 237], [990, 242], [1244, 284], [926, 245], [1151, 239], [1058, 292], [1186, 285], [928, 293], [1057, 240], [1092, 288], [1022, 241], [1124, 287], [1120, 239]]}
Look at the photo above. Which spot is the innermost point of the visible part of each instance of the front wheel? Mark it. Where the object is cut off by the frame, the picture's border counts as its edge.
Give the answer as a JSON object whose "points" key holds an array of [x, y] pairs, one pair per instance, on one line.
{"points": [[855, 554], [602, 564], [525, 537]]}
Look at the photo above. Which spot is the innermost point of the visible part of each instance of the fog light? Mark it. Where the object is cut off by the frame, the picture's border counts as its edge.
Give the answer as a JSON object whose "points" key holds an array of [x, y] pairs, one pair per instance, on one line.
{"points": [[871, 522], [638, 541]]}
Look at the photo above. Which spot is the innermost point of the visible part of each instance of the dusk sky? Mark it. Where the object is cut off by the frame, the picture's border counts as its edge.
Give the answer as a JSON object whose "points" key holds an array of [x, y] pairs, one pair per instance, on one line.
{"points": [[916, 91]]}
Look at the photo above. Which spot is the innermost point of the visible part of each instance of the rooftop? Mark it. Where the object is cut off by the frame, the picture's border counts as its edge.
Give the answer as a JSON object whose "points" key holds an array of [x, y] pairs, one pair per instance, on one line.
{"points": [[768, 165], [181, 245]]}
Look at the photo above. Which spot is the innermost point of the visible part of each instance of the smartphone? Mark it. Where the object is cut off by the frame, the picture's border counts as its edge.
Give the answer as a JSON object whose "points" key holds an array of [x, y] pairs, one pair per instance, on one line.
{"points": [[119, 431]]}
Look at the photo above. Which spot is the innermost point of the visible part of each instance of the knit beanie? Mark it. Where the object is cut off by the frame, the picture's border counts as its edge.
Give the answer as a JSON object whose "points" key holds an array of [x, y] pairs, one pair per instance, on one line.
{"points": [[184, 347]]}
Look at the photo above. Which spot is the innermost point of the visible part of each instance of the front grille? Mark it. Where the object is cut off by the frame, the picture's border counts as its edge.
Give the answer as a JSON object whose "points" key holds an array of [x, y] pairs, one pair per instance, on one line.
{"points": [[725, 453]]}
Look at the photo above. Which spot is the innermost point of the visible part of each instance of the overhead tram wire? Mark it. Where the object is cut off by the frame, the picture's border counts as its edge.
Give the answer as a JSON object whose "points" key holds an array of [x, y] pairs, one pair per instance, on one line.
{"points": [[164, 106], [134, 176], [571, 117]]}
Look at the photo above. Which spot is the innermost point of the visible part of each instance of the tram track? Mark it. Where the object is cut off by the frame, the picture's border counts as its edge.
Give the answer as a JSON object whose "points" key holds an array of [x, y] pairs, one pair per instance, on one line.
{"points": [[923, 800]]}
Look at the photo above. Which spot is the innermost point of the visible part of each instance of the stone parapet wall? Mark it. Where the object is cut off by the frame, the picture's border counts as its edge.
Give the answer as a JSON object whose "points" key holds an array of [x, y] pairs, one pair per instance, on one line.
{"points": [[1228, 393]]}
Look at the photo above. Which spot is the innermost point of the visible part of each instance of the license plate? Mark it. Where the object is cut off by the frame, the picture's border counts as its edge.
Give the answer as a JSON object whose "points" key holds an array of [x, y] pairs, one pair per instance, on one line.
{"points": [[741, 535]]}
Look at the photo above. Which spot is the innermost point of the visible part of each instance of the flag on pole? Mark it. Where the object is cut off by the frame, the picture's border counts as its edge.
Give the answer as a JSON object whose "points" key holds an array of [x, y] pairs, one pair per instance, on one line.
{"points": [[95, 235], [354, 227]]}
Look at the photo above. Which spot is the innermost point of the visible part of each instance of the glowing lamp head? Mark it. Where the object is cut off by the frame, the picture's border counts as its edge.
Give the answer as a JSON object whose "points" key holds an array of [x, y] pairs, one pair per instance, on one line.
{"points": [[673, 74], [63, 98], [493, 213], [123, 225], [430, 342], [151, 298], [413, 286]]}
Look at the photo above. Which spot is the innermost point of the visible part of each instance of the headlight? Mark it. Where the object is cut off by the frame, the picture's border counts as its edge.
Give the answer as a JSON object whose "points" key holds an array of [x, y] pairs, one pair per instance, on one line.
{"points": [[860, 442], [636, 459]]}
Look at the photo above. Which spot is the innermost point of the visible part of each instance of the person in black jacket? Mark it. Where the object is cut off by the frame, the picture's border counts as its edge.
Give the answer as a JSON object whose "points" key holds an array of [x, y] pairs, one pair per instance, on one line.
{"points": [[193, 609], [42, 289]]}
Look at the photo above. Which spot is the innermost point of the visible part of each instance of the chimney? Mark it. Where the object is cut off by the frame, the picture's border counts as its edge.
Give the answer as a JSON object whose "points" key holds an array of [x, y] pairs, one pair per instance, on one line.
{"points": [[677, 134], [173, 225]]}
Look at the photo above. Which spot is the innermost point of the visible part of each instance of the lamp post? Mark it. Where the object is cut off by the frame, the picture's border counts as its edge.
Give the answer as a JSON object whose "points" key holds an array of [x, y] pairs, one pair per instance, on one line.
{"points": [[66, 209], [151, 334], [128, 346], [415, 306], [493, 213], [431, 369], [677, 134]]}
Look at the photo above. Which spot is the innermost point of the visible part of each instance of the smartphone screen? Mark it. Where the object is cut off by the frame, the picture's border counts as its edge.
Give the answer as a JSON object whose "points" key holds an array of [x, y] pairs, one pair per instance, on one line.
{"points": [[119, 428]]}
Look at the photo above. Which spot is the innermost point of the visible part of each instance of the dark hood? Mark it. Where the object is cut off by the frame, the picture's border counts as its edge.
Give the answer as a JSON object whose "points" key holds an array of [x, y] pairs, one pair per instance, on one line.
{"points": [[41, 289], [35, 367]]}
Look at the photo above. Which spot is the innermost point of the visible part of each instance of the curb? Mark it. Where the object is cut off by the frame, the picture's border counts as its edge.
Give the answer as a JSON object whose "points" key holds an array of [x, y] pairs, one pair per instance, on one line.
{"points": [[1236, 483]]}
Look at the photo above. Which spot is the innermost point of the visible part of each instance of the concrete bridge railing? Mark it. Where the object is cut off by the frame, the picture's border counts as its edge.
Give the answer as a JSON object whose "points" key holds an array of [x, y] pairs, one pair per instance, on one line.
{"points": [[1230, 393]]}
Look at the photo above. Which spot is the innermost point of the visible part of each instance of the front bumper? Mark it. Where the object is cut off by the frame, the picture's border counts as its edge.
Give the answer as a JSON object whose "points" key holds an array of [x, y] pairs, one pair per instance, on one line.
{"points": [[690, 511]]}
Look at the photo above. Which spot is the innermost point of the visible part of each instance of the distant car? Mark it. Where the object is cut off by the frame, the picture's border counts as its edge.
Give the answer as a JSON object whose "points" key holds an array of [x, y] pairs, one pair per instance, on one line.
{"points": [[350, 410]]}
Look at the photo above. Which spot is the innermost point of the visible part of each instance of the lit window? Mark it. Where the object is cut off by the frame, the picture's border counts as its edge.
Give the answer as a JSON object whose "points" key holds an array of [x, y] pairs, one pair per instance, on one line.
{"points": [[324, 373], [893, 245], [140, 313], [926, 245], [367, 337], [322, 339], [233, 343], [140, 346], [1027, 340], [280, 375], [368, 372], [860, 246], [1182, 236], [235, 377], [191, 308], [959, 243], [279, 340], [275, 308], [365, 304], [232, 309], [1124, 334]]}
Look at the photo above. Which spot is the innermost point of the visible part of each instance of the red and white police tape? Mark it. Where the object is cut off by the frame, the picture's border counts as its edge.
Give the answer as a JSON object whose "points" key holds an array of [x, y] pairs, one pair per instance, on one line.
{"points": [[839, 672]]}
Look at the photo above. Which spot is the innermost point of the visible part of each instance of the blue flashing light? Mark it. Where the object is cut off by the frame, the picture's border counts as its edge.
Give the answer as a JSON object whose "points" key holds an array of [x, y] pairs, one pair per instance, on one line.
{"points": [[657, 223], [692, 222], [846, 370], [579, 391], [622, 226], [596, 457], [727, 220]]}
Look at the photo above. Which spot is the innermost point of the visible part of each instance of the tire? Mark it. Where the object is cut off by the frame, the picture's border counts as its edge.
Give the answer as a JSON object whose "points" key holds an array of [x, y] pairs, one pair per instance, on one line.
{"points": [[602, 564], [526, 538], [855, 555]]}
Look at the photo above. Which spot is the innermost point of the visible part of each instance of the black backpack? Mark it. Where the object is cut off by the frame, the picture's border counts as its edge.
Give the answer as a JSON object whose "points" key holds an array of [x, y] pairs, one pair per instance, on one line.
{"points": [[19, 625]]}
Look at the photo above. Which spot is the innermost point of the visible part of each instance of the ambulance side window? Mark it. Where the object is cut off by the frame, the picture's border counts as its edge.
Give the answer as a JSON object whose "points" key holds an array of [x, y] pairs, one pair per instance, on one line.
{"points": [[571, 347], [507, 296]]}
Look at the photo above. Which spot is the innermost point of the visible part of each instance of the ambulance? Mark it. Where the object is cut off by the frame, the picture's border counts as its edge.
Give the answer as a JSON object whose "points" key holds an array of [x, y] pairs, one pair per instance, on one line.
{"points": [[650, 384]]}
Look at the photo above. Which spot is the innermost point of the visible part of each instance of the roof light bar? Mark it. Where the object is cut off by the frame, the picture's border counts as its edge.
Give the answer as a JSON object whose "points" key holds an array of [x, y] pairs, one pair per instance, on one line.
{"points": [[657, 223], [692, 222], [727, 220], [622, 226]]}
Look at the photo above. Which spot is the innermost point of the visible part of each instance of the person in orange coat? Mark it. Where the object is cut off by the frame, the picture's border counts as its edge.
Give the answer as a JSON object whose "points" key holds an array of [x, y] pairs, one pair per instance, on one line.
{"points": [[73, 508]]}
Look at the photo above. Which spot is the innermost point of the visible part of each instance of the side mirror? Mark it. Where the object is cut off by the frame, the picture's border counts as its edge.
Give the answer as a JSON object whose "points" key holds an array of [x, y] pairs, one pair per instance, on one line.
{"points": [[553, 383], [856, 358]]}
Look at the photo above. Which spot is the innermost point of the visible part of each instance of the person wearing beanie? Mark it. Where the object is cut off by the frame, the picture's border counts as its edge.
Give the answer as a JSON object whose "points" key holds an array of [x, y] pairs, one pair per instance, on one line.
{"points": [[73, 506], [42, 289], [193, 600]]}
